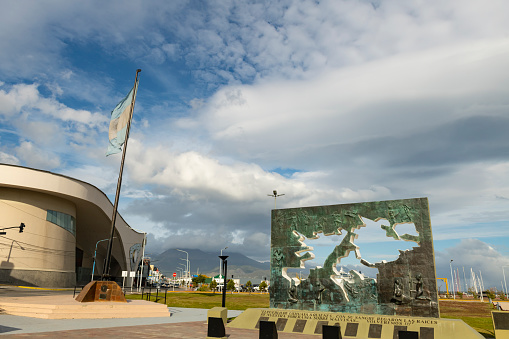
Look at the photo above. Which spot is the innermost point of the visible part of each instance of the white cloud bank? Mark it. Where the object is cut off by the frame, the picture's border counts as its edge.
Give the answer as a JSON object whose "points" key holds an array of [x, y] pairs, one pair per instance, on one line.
{"points": [[365, 100], [476, 255]]}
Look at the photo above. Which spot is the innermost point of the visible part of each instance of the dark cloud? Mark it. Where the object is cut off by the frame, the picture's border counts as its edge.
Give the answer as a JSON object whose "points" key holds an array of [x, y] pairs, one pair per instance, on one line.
{"points": [[472, 139], [207, 225], [473, 254]]}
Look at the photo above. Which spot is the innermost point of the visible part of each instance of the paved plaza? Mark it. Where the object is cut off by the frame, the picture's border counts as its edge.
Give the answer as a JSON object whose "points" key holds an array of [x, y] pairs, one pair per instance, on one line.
{"points": [[184, 323]]}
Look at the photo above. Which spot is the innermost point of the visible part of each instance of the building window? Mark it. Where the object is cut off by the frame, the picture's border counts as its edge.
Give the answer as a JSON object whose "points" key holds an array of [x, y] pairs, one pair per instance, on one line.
{"points": [[63, 220]]}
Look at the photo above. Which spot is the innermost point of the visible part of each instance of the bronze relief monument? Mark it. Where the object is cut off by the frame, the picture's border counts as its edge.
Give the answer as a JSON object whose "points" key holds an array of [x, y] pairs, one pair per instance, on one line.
{"points": [[405, 286]]}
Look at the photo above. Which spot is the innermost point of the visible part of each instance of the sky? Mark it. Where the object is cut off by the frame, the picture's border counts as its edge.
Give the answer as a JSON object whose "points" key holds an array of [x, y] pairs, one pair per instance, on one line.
{"points": [[327, 102]]}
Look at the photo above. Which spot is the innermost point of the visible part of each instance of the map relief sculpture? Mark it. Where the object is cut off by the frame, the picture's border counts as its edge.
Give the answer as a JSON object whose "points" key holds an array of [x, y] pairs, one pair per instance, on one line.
{"points": [[404, 286]]}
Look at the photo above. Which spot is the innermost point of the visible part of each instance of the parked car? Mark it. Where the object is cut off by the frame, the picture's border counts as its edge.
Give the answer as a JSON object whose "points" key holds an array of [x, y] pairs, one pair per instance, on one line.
{"points": [[245, 289]]}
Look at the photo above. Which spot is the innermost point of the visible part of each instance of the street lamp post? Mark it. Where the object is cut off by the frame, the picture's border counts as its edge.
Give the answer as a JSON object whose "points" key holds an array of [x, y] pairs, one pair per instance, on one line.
{"points": [[95, 255], [505, 284], [187, 258], [224, 262], [275, 195], [452, 280], [187, 267], [184, 270], [221, 263]]}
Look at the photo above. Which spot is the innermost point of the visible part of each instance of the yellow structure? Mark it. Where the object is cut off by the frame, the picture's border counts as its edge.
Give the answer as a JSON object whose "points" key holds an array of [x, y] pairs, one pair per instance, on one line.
{"points": [[500, 324], [446, 285], [355, 325], [65, 219]]}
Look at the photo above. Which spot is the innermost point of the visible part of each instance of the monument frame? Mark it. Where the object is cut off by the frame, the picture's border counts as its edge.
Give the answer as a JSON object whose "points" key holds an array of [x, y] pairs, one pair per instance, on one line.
{"points": [[404, 287]]}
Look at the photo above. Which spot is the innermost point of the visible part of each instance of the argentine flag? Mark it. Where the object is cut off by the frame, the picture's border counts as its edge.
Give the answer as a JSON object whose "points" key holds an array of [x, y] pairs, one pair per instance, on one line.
{"points": [[118, 124]]}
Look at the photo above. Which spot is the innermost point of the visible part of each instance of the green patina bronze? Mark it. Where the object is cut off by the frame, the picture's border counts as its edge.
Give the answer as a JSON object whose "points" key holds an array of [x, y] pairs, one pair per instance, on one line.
{"points": [[405, 286]]}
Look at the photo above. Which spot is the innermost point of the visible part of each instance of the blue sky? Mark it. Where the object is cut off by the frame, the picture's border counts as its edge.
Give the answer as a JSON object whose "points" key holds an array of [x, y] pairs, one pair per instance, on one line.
{"points": [[327, 102]]}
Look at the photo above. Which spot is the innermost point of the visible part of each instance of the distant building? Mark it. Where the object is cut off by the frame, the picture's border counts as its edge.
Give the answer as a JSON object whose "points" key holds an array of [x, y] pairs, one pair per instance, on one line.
{"points": [[219, 280], [66, 220]]}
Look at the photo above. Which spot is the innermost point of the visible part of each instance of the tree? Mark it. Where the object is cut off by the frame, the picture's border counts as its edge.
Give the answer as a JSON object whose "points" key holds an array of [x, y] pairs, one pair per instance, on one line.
{"points": [[473, 292], [213, 285], [491, 293], [230, 286], [249, 286], [263, 286], [200, 279]]}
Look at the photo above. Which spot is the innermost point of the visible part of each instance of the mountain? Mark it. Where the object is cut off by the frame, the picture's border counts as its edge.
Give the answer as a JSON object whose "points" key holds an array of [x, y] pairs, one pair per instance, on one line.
{"points": [[208, 263]]}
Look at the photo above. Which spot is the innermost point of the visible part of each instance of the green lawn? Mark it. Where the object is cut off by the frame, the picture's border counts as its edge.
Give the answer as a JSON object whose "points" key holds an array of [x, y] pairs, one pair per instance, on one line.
{"points": [[475, 314], [235, 301]]}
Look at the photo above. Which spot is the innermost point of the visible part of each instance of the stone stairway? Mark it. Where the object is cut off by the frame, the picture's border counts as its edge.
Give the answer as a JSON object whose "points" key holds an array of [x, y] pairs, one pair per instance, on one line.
{"points": [[65, 307]]}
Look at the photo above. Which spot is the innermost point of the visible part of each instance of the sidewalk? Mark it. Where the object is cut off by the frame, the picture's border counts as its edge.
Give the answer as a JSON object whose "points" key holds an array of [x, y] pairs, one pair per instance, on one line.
{"points": [[188, 330], [10, 324], [184, 323]]}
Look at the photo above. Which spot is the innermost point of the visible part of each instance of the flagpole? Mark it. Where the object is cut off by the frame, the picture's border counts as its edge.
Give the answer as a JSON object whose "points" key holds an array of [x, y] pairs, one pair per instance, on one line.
{"points": [[106, 269]]}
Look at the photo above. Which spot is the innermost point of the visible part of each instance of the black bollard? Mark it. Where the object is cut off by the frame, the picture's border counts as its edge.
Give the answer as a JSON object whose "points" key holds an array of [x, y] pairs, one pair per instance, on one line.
{"points": [[215, 328], [331, 332], [268, 330]]}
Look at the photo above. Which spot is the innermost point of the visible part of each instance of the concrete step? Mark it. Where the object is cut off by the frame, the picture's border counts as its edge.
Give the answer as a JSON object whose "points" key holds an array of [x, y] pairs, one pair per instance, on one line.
{"points": [[71, 309]]}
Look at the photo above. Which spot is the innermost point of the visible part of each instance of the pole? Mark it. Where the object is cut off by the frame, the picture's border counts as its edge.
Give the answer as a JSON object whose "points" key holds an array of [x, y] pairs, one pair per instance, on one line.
{"points": [[187, 261], [452, 282], [275, 195], [224, 283], [221, 262], [465, 279], [505, 284], [458, 280], [95, 257], [473, 279], [142, 259], [224, 262], [106, 270], [482, 286]]}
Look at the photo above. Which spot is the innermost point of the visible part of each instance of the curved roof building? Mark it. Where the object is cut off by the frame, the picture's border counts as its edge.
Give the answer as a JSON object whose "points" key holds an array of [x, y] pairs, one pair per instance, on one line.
{"points": [[66, 222]]}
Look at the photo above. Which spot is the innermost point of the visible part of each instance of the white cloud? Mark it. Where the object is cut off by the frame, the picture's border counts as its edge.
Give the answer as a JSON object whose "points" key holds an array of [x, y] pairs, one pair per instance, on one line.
{"points": [[36, 157], [368, 101], [475, 254], [399, 95], [26, 98], [200, 176], [19, 96], [8, 159]]}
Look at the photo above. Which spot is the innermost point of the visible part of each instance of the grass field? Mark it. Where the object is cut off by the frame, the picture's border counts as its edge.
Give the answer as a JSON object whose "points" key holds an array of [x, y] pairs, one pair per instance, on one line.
{"points": [[235, 301], [474, 313]]}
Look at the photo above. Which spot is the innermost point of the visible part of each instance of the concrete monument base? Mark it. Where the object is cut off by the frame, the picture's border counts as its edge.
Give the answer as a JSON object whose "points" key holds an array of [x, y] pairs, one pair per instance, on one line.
{"points": [[101, 291], [501, 324], [355, 325], [65, 307]]}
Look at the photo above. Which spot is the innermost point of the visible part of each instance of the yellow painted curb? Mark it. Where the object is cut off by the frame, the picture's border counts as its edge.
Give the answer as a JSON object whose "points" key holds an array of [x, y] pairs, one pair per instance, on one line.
{"points": [[44, 289]]}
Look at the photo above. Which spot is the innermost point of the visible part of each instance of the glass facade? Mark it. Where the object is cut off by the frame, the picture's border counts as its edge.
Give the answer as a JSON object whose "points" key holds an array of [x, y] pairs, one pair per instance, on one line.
{"points": [[63, 220]]}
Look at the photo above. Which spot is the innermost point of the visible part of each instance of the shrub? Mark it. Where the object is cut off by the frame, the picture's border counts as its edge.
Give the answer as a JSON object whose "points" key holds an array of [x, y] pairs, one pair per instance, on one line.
{"points": [[213, 286], [230, 286], [203, 288]]}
